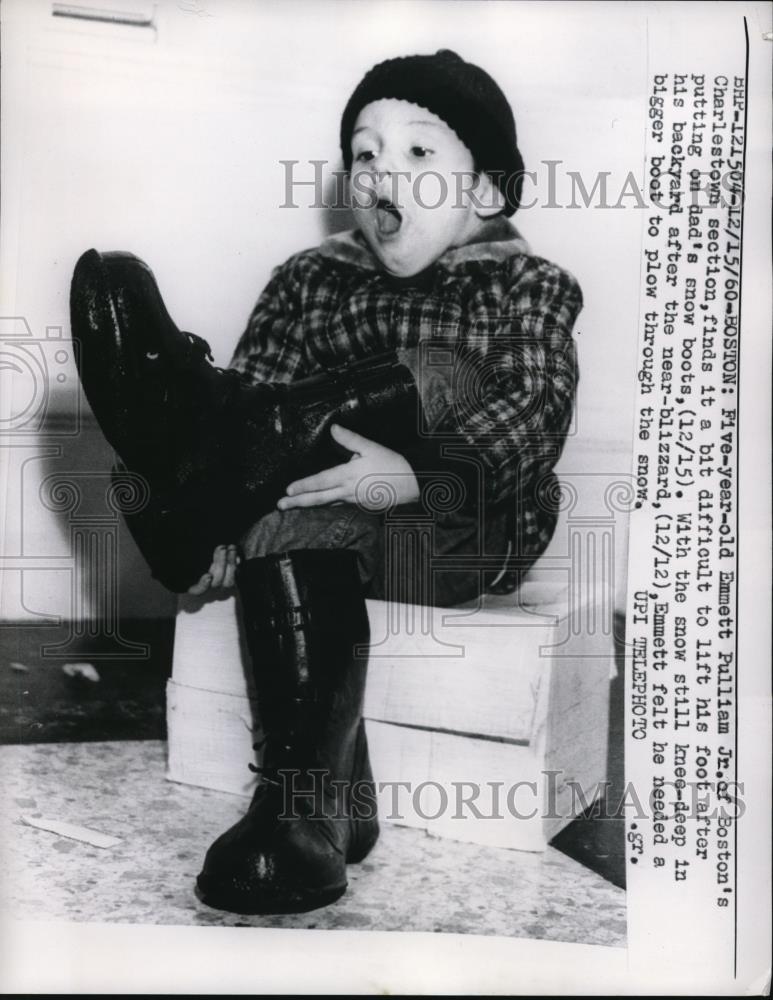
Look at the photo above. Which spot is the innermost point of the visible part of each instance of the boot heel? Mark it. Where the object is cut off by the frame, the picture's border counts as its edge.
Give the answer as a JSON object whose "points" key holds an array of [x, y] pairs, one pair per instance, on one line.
{"points": [[364, 831], [363, 840]]}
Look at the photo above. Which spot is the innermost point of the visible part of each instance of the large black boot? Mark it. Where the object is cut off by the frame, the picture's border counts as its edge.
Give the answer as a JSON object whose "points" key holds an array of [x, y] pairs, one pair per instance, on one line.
{"points": [[215, 451], [315, 808]]}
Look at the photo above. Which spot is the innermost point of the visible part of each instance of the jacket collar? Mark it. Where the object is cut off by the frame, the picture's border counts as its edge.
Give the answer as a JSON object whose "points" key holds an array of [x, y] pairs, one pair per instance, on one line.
{"points": [[498, 241]]}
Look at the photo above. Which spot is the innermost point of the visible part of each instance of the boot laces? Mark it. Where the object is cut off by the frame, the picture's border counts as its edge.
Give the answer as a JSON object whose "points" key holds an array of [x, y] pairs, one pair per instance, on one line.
{"points": [[285, 751], [268, 774], [289, 755], [199, 347], [199, 350]]}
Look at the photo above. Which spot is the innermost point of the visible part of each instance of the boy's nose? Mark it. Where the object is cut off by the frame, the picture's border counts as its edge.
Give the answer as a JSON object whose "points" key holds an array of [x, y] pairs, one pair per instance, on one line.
{"points": [[387, 162], [391, 187], [389, 178]]}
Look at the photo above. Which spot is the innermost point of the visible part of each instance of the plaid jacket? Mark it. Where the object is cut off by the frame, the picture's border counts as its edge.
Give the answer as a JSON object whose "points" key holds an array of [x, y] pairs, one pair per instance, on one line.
{"points": [[492, 320]]}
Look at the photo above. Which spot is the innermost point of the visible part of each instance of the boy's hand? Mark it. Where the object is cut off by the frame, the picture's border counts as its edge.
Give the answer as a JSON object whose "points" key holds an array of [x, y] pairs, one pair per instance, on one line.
{"points": [[222, 572], [358, 480]]}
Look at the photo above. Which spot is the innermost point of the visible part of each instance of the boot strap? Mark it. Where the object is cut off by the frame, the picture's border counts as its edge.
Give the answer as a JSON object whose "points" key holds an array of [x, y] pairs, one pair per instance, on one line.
{"points": [[293, 619]]}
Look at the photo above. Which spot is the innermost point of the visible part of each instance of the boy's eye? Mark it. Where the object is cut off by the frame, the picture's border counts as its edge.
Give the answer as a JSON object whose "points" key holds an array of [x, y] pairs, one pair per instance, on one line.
{"points": [[365, 156], [420, 151]]}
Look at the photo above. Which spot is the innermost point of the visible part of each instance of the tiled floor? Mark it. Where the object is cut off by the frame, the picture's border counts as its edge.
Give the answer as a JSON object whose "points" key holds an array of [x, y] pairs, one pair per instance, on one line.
{"points": [[410, 882], [65, 762]]}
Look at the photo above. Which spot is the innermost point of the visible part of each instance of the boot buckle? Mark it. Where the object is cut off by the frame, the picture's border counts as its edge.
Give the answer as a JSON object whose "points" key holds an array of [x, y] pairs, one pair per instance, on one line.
{"points": [[295, 619]]}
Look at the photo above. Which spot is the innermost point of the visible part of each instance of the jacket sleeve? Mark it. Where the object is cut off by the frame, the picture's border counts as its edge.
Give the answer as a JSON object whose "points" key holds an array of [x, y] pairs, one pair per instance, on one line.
{"points": [[269, 350], [514, 390], [527, 386]]}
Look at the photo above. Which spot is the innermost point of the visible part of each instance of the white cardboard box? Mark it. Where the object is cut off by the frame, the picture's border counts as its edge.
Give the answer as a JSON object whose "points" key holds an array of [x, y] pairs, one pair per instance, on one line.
{"points": [[496, 715]]}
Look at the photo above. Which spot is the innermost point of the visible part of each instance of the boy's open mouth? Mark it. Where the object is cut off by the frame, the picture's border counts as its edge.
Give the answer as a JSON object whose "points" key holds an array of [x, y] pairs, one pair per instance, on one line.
{"points": [[388, 217]]}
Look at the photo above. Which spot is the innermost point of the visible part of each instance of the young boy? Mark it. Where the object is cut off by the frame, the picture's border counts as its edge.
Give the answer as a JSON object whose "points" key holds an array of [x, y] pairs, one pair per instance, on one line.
{"points": [[444, 269], [485, 372]]}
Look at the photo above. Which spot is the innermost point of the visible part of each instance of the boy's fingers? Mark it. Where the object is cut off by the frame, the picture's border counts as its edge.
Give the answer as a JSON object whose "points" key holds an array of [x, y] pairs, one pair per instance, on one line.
{"points": [[202, 586], [313, 499], [217, 569], [327, 480], [350, 439], [229, 577]]}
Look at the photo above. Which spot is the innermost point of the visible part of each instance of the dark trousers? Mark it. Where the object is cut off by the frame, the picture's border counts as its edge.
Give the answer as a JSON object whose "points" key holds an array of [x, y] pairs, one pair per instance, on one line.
{"points": [[414, 554], [405, 555]]}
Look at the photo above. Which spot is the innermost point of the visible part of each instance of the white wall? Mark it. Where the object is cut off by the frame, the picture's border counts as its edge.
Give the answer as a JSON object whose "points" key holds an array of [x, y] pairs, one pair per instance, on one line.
{"points": [[166, 141]]}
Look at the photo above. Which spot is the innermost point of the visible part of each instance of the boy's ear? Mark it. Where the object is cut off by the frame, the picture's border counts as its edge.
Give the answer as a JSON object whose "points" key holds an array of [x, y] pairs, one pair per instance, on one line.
{"points": [[487, 199]]}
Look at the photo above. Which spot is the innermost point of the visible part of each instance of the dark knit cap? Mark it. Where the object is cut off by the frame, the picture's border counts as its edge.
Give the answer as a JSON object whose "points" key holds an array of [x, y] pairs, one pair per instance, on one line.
{"points": [[464, 96]]}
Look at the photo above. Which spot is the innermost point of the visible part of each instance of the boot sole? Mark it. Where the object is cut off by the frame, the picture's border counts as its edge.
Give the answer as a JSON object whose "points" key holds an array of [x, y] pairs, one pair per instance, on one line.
{"points": [[221, 897]]}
